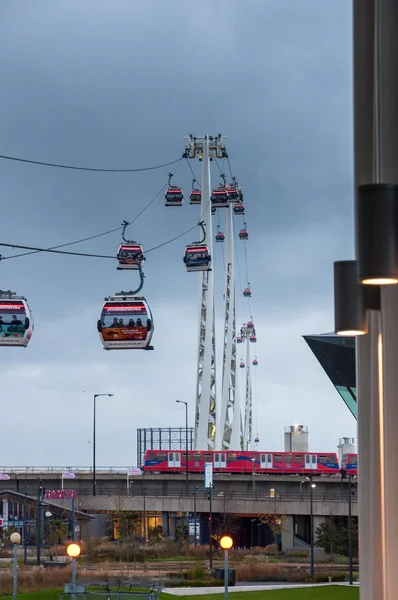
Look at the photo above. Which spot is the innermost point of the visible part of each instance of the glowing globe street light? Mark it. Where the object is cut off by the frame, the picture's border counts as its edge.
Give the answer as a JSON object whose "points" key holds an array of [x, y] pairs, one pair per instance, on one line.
{"points": [[226, 544], [73, 550], [15, 539]]}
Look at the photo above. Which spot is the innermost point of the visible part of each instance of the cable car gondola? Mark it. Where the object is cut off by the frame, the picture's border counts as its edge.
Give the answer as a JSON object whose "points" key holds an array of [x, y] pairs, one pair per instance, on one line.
{"points": [[247, 291], [196, 195], [220, 237], [232, 190], [250, 325], [16, 322], [130, 256], [126, 323], [197, 257], [256, 439], [239, 208], [255, 361], [243, 233], [252, 339], [239, 340], [242, 364], [219, 196], [174, 195]]}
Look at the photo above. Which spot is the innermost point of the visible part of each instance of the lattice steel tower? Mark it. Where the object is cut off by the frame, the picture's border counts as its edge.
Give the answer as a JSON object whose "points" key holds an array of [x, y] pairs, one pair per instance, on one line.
{"points": [[230, 416], [205, 148]]}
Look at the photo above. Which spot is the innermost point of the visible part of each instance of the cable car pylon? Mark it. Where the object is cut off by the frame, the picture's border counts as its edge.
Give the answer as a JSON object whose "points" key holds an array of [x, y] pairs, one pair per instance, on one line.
{"points": [[205, 414], [229, 430]]}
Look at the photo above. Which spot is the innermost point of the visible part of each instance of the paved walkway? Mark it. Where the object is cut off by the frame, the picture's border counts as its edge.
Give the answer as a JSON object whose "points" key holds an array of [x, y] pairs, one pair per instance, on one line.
{"points": [[204, 591]]}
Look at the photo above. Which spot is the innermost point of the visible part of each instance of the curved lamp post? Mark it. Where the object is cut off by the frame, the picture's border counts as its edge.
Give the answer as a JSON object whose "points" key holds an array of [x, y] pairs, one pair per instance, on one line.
{"points": [[15, 539], [226, 544]]}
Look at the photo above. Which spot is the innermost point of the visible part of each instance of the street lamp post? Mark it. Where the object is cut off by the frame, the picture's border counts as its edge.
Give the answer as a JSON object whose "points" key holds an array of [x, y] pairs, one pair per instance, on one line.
{"points": [[350, 577], [226, 544], [94, 480], [186, 438], [73, 550], [194, 509], [312, 485], [15, 539]]}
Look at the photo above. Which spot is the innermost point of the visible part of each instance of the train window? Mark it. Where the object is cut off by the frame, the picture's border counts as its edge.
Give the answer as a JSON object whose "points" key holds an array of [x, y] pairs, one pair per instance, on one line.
{"points": [[313, 459], [331, 458], [208, 457], [151, 456], [232, 457], [162, 456], [323, 459], [298, 459], [352, 460], [196, 457], [216, 457], [277, 458], [269, 457], [288, 459]]}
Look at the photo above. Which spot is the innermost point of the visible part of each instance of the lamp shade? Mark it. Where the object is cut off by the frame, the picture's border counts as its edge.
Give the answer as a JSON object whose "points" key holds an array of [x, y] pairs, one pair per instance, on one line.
{"points": [[377, 233], [349, 306], [226, 542]]}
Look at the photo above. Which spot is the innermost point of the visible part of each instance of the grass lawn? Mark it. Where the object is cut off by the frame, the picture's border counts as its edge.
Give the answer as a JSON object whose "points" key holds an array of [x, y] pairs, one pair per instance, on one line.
{"points": [[332, 592]]}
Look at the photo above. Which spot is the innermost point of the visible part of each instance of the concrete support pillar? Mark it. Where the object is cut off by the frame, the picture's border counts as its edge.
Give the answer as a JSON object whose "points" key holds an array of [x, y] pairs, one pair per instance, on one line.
{"points": [[288, 534], [376, 160]]}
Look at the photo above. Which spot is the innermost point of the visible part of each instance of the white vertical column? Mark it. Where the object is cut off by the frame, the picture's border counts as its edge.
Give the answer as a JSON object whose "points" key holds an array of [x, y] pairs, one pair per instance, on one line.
{"points": [[247, 435], [205, 414]]}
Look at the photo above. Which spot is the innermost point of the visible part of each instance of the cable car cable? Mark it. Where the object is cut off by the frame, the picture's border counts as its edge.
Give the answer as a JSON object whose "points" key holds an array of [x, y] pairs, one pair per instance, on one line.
{"points": [[97, 170], [193, 172]]}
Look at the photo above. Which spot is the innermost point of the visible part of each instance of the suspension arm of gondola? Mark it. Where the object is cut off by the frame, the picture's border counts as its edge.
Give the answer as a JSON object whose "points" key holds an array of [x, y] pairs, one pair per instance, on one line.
{"points": [[222, 176], [169, 182], [202, 225]]}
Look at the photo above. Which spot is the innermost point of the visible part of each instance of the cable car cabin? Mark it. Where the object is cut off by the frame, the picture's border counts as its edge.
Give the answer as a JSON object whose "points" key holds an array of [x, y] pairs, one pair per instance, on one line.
{"points": [[197, 258], [252, 339], [298, 463], [275, 463], [219, 198], [174, 196], [239, 208], [349, 463], [247, 292], [130, 257], [256, 439], [126, 323], [242, 364], [16, 323], [243, 234], [239, 340], [220, 237], [250, 325], [233, 194], [255, 362], [195, 197]]}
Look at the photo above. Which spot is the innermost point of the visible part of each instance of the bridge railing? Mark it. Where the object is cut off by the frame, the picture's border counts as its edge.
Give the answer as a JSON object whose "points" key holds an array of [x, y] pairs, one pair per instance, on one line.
{"points": [[260, 495]]}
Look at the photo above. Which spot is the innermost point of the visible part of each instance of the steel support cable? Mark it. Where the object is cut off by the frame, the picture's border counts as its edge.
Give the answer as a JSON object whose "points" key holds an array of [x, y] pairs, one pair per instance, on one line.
{"points": [[92, 237], [92, 169]]}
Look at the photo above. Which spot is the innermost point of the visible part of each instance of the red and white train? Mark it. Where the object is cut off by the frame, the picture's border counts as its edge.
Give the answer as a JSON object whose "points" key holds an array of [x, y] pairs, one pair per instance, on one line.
{"points": [[272, 463]]}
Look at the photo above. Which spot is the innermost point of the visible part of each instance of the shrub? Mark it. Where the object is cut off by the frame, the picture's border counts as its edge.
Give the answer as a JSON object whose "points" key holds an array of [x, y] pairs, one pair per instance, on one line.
{"points": [[197, 573], [296, 554]]}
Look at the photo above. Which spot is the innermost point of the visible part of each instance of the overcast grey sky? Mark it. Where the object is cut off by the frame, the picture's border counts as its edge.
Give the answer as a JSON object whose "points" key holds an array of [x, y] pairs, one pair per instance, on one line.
{"points": [[118, 83]]}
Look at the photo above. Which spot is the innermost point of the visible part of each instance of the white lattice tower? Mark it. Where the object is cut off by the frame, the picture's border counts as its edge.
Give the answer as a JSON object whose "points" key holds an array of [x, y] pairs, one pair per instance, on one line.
{"points": [[230, 421], [247, 430], [205, 413]]}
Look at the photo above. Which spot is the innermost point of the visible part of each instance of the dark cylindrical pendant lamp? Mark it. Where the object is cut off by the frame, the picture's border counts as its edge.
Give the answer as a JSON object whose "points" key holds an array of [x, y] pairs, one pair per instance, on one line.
{"points": [[377, 232], [349, 306]]}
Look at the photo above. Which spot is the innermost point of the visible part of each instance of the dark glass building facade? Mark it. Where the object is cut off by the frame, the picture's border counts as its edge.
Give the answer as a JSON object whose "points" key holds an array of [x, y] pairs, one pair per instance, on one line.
{"points": [[336, 355]]}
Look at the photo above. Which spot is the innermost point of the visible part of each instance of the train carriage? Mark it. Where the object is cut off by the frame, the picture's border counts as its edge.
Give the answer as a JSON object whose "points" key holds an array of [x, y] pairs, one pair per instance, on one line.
{"points": [[271, 463]]}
